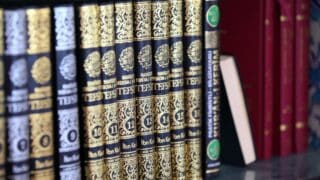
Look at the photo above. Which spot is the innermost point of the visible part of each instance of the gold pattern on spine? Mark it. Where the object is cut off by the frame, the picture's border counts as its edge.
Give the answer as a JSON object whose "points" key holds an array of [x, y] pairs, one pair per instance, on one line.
{"points": [[89, 26], [124, 21], [2, 99], [193, 24], [176, 18], [107, 25], [38, 30], [142, 20], [160, 20]]}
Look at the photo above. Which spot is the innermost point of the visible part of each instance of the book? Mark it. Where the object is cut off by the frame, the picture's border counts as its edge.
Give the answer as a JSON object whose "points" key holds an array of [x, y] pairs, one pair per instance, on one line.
{"points": [[160, 73], [89, 75], [144, 88], [126, 88], [16, 87], [314, 74], [284, 123], [109, 90], [236, 138], [211, 100], [302, 35], [2, 104], [192, 44], [177, 110], [40, 93], [66, 90]]}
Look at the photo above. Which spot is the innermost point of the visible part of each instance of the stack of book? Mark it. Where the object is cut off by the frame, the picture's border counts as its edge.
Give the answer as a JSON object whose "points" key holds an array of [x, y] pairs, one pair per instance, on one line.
{"points": [[110, 90]]}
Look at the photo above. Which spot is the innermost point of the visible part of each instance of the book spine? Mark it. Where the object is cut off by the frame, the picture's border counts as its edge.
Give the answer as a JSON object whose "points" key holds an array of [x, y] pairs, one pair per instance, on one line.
{"points": [[268, 80], [126, 88], [177, 115], [286, 78], [160, 35], [2, 104], [109, 90], [40, 94], [193, 83], [91, 96], [67, 94], [302, 35], [143, 71], [16, 84], [211, 90]]}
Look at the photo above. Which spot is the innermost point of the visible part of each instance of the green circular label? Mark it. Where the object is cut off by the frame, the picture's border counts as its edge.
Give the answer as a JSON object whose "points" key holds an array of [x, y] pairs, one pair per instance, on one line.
{"points": [[213, 149], [213, 16]]}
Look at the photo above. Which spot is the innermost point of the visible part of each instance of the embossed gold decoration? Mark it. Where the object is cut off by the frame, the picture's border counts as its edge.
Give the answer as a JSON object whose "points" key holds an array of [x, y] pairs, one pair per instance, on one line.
{"points": [[107, 25], [193, 107], [194, 51], [89, 26], [162, 113], [144, 114], [146, 165], [160, 19], [193, 159], [1, 73], [41, 70], [92, 64], [163, 165], [126, 115], [177, 107], [145, 57], [94, 170], [126, 59], [177, 53], [142, 20], [112, 169], [124, 22], [47, 174], [178, 160], [176, 19], [93, 126], [111, 131], [193, 20], [41, 134], [162, 56], [38, 30], [129, 164], [109, 63]]}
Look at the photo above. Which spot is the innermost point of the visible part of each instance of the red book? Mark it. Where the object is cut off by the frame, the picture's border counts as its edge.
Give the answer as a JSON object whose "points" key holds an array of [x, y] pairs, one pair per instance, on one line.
{"points": [[301, 75], [283, 127], [243, 35]]}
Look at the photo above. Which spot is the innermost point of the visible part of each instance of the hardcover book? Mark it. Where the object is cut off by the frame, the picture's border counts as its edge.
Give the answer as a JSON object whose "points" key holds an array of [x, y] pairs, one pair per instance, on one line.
{"points": [[126, 88], [160, 72], [89, 73], [66, 90], [2, 104], [40, 93], [109, 90], [193, 86], [144, 87], [16, 85], [177, 110]]}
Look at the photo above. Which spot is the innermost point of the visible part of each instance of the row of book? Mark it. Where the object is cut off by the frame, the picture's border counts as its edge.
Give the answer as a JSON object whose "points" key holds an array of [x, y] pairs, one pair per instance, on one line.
{"points": [[110, 90], [270, 41]]}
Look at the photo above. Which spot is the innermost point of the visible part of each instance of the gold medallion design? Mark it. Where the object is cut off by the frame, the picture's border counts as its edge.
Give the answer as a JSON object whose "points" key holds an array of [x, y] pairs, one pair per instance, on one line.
{"points": [[1, 73], [92, 64], [194, 51], [109, 63], [41, 70], [126, 59], [177, 53], [145, 56], [162, 56]]}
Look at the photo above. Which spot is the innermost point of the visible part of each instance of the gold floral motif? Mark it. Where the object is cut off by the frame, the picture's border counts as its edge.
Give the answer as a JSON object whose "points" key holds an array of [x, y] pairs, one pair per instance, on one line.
{"points": [[177, 53], [147, 165], [162, 56], [92, 64], [38, 30], [193, 107], [112, 169], [93, 126], [111, 123], [41, 70], [47, 174], [126, 59], [144, 115], [162, 113], [163, 163], [94, 170], [142, 20], [129, 164], [178, 160], [1, 73], [89, 26], [145, 57], [160, 19], [109, 63], [107, 25], [177, 109], [126, 117], [176, 21], [193, 20], [124, 22], [41, 134], [1, 32], [193, 159], [194, 51]]}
